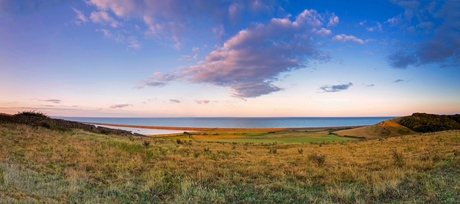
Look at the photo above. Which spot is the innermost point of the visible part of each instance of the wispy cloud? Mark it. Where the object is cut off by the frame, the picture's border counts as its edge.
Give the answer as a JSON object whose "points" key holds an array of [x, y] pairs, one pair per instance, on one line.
{"points": [[104, 18], [333, 20], [398, 80], [336, 88], [130, 41], [377, 27], [174, 101], [80, 18], [202, 101], [55, 101], [345, 38], [158, 79], [120, 105]]}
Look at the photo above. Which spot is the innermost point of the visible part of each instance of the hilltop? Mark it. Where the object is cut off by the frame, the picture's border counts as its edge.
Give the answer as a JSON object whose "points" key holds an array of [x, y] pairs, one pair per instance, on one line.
{"points": [[386, 128], [407, 125]]}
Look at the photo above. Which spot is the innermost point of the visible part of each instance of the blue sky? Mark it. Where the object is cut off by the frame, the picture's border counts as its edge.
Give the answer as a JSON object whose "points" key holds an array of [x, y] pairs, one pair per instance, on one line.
{"points": [[229, 58]]}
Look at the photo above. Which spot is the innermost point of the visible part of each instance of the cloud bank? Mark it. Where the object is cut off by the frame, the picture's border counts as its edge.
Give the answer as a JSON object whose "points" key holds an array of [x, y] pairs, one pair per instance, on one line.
{"points": [[250, 61], [443, 45]]}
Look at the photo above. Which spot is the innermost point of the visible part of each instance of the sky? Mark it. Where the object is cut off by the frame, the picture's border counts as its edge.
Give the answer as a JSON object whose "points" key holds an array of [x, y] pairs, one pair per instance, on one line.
{"points": [[242, 58]]}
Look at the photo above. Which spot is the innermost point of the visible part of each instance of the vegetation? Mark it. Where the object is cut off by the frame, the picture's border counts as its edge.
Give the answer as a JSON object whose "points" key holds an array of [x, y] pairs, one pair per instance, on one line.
{"points": [[38, 164], [32, 113], [423, 122], [260, 136]]}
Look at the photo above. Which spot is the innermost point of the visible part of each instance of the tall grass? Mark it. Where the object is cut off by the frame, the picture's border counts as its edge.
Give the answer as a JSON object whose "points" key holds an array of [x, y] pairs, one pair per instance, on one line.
{"points": [[41, 165]]}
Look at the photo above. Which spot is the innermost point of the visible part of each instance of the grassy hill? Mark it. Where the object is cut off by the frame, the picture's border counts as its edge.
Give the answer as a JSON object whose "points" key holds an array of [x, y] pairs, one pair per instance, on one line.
{"points": [[43, 165], [387, 128], [423, 122]]}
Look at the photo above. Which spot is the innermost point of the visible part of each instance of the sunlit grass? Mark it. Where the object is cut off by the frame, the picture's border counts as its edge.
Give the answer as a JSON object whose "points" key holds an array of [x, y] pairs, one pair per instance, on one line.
{"points": [[43, 165]]}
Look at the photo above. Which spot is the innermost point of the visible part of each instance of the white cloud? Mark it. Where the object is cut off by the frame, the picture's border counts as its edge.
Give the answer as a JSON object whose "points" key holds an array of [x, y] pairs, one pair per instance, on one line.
{"points": [[104, 18], [333, 20], [377, 27], [323, 32], [345, 38], [80, 18]]}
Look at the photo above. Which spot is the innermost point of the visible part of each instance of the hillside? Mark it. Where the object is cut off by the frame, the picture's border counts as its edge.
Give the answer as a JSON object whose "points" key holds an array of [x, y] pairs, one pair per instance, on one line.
{"points": [[38, 119], [387, 128], [423, 122]]}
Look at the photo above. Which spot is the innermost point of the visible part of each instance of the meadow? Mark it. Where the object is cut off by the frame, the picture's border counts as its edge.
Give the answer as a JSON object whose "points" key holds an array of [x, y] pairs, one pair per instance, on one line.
{"points": [[44, 165], [260, 135]]}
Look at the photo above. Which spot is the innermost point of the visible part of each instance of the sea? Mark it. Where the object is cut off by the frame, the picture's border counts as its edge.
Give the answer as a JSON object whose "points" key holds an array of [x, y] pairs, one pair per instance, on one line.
{"points": [[229, 122]]}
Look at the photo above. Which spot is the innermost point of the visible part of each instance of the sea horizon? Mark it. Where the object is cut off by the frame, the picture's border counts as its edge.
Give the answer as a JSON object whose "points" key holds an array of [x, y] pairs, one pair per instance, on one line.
{"points": [[235, 122]]}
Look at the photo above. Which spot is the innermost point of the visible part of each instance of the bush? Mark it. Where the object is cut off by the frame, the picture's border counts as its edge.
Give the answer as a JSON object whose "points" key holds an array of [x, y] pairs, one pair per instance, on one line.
{"points": [[32, 113], [273, 150], [146, 143], [319, 159], [300, 151], [398, 158]]}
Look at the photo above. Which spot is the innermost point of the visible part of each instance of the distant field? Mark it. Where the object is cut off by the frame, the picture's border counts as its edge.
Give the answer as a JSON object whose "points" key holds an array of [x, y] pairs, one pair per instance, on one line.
{"points": [[260, 136]]}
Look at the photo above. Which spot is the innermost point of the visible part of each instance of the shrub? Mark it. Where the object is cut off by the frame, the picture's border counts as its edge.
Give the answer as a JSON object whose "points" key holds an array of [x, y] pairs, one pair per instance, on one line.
{"points": [[146, 143], [273, 150], [32, 113], [319, 159], [300, 151], [398, 158]]}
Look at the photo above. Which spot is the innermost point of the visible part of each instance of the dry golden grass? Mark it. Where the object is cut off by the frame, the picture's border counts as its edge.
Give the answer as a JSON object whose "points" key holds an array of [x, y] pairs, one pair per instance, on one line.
{"points": [[40, 165], [386, 128]]}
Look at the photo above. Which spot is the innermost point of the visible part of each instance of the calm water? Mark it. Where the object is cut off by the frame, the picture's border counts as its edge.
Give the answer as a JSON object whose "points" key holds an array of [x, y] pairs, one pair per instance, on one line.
{"points": [[230, 122]]}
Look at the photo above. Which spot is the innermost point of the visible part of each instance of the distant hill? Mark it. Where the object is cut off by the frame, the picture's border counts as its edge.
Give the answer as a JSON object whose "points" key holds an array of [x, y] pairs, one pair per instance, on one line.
{"points": [[38, 119], [423, 122], [386, 128]]}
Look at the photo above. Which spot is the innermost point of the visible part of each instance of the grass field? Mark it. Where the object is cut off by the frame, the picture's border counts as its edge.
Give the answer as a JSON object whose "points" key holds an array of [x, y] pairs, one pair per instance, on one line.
{"points": [[260, 136], [42, 165]]}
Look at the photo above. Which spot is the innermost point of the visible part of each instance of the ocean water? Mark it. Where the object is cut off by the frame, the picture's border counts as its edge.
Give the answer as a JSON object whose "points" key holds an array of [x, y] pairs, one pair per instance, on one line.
{"points": [[234, 122]]}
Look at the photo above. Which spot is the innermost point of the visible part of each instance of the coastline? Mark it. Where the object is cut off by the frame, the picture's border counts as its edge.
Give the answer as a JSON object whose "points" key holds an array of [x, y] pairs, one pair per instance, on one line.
{"points": [[203, 129]]}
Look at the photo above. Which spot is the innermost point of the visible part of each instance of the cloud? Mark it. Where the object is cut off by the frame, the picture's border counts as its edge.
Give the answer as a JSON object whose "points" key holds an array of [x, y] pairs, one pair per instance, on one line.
{"points": [[394, 21], [323, 32], [345, 38], [333, 20], [202, 101], [158, 79], [130, 41], [104, 18], [442, 47], [377, 27], [120, 105], [250, 61], [56, 101], [173, 18], [336, 88], [174, 101], [80, 18], [369, 85], [398, 80], [401, 59]]}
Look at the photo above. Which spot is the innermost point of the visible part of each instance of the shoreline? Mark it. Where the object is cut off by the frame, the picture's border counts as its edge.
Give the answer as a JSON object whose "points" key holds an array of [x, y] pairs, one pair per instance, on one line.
{"points": [[203, 129]]}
